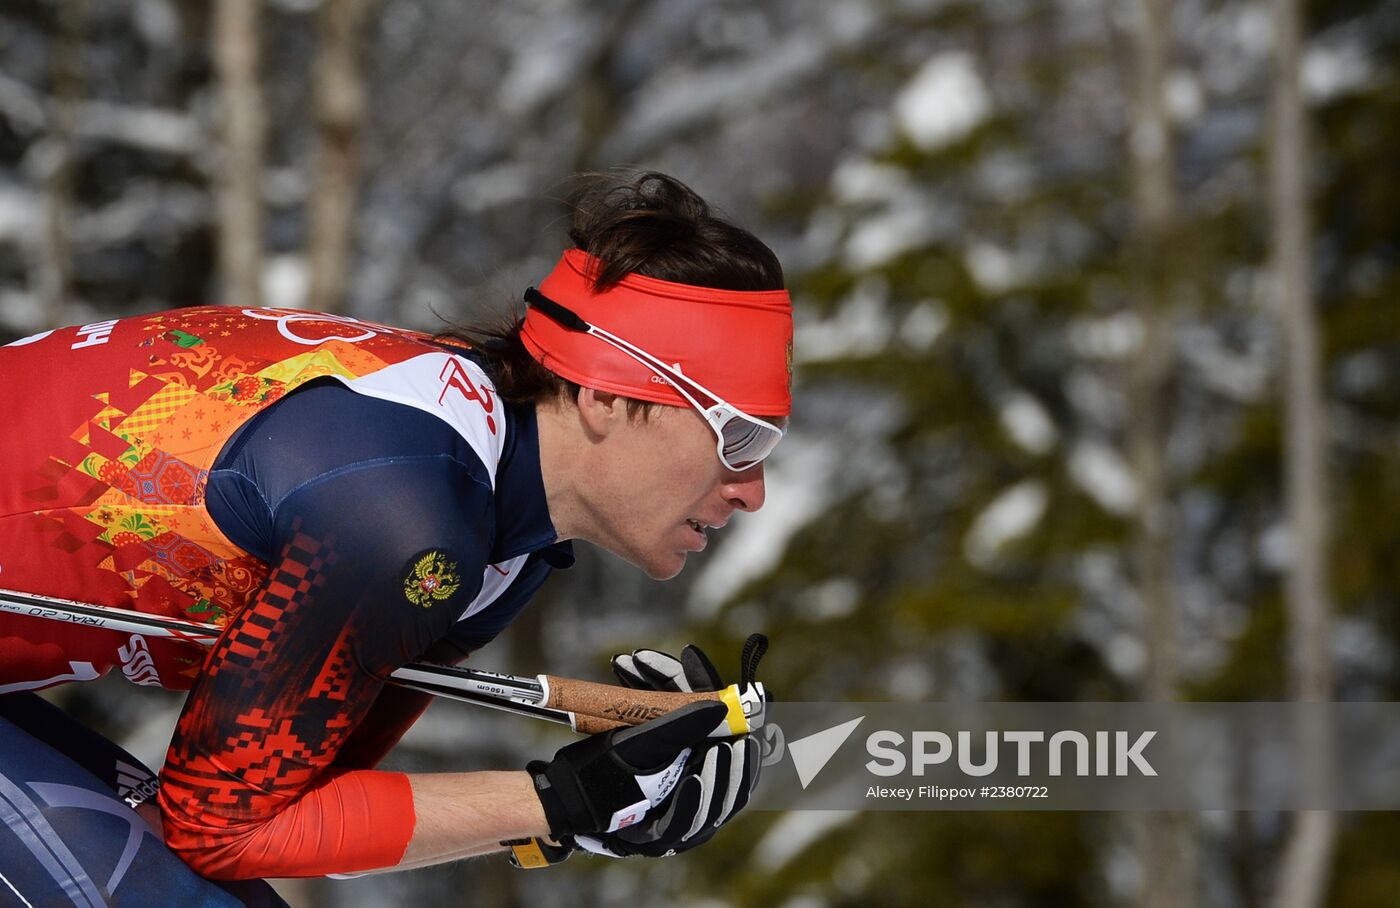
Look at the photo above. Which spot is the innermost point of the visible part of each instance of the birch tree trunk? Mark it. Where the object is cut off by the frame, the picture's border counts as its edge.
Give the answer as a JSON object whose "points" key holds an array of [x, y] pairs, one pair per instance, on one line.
{"points": [[1167, 847], [339, 103], [1307, 858], [54, 159], [242, 129], [1155, 210]]}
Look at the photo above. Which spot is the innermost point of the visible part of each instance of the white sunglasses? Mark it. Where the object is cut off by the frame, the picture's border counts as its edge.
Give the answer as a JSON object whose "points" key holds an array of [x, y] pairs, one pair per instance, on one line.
{"points": [[742, 440]]}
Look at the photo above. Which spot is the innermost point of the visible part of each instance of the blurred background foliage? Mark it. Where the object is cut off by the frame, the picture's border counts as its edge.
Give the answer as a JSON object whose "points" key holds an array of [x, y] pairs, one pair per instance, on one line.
{"points": [[991, 350]]}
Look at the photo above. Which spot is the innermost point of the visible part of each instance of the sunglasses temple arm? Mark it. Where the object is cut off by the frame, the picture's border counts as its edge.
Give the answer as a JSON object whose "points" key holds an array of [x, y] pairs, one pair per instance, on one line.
{"points": [[563, 316], [573, 321], [646, 359]]}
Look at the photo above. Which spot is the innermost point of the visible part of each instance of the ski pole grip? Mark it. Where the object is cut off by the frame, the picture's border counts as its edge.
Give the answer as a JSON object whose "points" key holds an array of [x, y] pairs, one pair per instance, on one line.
{"points": [[593, 725], [626, 706]]}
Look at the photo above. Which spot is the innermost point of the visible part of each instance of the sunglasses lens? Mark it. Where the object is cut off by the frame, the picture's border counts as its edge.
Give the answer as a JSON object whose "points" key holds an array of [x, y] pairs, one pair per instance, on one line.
{"points": [[747, 442]]}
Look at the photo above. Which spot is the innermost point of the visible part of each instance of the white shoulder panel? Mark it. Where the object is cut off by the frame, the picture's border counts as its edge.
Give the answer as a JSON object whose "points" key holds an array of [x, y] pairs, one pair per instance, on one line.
{"points": [[498, 578], [452, 388]]}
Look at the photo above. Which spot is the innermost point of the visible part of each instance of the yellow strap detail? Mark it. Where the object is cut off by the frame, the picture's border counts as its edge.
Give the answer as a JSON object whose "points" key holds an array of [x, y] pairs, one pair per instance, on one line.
{"points": [[738, 722], [529, 855]]}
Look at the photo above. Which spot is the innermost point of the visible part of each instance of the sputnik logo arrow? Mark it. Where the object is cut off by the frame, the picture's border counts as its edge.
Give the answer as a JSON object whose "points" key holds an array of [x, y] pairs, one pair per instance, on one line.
{"points": [[813, 752]]}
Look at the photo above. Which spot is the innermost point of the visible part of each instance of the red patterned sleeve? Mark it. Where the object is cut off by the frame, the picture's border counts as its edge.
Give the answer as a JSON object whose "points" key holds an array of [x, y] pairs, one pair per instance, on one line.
{"points": [[394, 712], [251, 785]]}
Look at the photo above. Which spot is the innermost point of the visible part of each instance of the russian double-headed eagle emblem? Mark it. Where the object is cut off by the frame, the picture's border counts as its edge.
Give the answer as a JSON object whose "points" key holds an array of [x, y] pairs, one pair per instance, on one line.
{"points": [[434, 578]]}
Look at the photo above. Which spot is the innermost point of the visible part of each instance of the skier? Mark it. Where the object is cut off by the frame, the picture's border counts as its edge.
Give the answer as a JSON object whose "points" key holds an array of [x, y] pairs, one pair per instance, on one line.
{"points": [[342, 498]]}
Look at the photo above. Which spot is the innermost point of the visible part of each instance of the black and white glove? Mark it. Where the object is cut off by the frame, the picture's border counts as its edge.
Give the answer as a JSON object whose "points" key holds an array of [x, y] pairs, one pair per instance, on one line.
{"points": [[649, 669], [719, 778], [609, 781]]}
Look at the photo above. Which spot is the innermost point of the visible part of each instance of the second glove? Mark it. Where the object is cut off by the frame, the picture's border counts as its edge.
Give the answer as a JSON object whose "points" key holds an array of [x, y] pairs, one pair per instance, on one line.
{"points": [[610, 781]]}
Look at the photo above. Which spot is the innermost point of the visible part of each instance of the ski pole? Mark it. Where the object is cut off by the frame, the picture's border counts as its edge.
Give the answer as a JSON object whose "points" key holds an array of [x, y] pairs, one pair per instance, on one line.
{"points": [[585, 706]]}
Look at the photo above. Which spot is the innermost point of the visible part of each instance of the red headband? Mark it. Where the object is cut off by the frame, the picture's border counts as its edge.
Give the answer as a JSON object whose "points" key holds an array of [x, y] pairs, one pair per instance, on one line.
{"points": [[737, 343]]}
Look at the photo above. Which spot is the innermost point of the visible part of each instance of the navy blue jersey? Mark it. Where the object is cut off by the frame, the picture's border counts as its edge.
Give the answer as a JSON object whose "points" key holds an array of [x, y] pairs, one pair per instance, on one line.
{"points": [[388, 540]]}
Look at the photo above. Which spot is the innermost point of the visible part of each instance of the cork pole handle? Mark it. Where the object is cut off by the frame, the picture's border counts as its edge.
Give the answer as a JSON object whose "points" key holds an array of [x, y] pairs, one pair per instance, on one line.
{"points": [[592, 725], [622, 705]]}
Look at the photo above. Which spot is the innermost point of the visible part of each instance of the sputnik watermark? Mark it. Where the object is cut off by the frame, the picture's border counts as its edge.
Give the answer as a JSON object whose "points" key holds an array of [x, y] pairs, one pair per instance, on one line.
{"points": [[1081, 756], [1118, 758]]}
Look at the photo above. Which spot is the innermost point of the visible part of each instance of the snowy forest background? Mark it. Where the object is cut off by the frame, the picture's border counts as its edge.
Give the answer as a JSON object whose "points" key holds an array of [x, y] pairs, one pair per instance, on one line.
{"points": [[1098, 361]]}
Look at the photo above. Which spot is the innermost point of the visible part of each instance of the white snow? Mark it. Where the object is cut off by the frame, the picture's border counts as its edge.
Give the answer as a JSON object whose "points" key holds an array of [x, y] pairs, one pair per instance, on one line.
{"points": [[1013, 514], [1241, 375], [1104, 476], [911, 680], [860, 180], [820, 240], [682, 97], [495, 186], [798, 479], [547, 63], [1007, 177], [835, 598], [1274, 547], [1362, 372], [719, 28], [22, 105], [1253, 29], [806, 900], [149, 128], [850, 20], [861, 327], [143, 206], [21, 214], [995, 269], [924, 325], [883, 236], [156, 21], [1184, 96], [1107, 337], [1356, 644], [874, 129], [944, 101], [1330, 71], [1098, 401], [794, 833], [1126, 655], [22, 311], [285, 282], [1027, 424], [286, 186]]}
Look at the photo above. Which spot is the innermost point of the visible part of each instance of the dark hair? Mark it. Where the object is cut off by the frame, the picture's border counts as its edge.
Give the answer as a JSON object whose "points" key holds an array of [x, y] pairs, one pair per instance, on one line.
{"points": [[635, 223]]}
